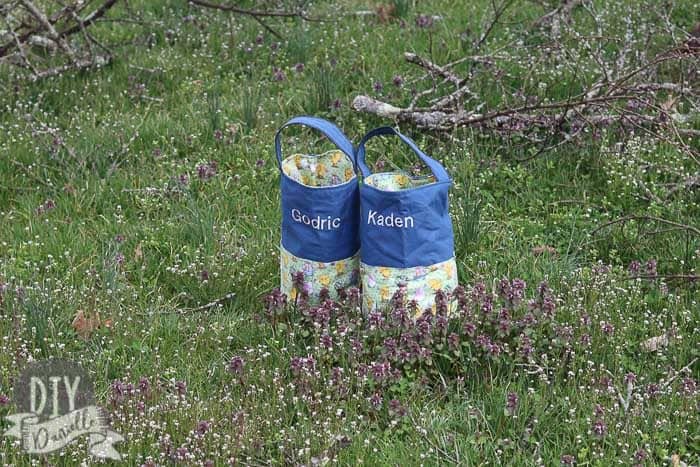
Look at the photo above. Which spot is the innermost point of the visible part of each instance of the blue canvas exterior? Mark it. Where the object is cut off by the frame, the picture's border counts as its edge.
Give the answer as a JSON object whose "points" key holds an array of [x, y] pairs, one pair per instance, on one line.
{"points": [[320, 223], [328, 204], [406, 228]]}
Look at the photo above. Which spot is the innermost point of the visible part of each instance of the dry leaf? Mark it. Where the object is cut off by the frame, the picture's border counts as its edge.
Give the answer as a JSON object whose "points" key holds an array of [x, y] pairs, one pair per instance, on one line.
{"points": [[542, 249], [677, 462], [84, 324], [670, 104], [385, 13], [138, 253], [68, 188], [655, 343]]}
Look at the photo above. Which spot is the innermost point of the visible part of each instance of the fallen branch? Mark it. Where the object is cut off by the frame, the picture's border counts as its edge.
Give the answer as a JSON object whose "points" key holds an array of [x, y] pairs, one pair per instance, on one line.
{"points": [[624, 91]]}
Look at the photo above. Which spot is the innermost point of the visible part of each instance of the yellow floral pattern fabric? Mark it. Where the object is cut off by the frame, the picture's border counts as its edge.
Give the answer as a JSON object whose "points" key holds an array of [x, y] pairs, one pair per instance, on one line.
{"points": [[319, 170], [379, 283], [396, 181], [317, 275]]}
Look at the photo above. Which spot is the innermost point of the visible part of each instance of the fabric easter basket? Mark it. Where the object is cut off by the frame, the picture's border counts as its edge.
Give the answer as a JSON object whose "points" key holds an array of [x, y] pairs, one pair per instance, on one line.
{"points": [[405, 231], [320, 216]]}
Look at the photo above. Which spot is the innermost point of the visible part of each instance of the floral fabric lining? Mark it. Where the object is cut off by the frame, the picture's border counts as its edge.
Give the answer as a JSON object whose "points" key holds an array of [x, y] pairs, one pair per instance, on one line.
{"points": [[327, 169], [397, 181]]}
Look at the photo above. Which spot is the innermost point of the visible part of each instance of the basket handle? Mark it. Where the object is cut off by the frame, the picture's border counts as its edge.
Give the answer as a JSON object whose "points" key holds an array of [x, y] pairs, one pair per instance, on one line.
{"points": [[437, 168], [325, 127]]}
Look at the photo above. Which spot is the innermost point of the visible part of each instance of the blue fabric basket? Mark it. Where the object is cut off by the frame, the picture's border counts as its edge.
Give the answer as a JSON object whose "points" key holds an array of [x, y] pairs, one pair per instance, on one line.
{"points": [[405, 230], [320, 213]]}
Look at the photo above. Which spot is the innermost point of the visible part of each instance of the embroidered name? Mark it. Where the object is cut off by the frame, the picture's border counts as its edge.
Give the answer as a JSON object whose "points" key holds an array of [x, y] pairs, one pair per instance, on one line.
{"points": [[317, 222], [405, 222]]}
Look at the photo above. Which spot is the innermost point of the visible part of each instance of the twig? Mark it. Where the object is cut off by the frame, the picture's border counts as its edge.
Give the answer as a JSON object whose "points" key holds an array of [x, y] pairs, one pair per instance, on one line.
{"points": [[688, 277], [678, 373], [437, 448], [216, 303], [50, 29], [254, 13], [20, 47], [498, 12], [564, 10], [624, 401], [91, 18], [433, 68], [688, 228]]}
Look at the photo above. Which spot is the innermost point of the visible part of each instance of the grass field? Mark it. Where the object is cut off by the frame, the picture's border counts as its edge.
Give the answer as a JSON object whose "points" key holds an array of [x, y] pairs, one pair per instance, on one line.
{"points": [[135, 193]]}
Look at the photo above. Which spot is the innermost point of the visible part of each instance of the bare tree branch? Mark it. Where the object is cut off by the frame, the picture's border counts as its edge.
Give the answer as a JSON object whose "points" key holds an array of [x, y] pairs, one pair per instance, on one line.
{"points": [[30, 24]]}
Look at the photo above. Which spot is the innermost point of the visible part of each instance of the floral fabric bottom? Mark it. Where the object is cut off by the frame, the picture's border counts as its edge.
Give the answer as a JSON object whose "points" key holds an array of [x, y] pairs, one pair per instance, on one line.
{"points": [[317, 275], [379, 283]]}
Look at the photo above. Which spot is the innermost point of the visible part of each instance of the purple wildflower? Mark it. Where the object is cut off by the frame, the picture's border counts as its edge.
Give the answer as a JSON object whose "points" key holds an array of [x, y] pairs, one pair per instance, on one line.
{"points": [[396, 409], [326, 341], [525, 348], [607, 328], [650, 267], [207, 171], [469, 328], [688, 386], [453, 341], [181, 388], [424, 21], [599, 428], [653, 390], [278, 75], [203, 426], [512, 403], [640, 455], [376, 401], [182, 453], [236, 364], [634, 268], [567, 459]]}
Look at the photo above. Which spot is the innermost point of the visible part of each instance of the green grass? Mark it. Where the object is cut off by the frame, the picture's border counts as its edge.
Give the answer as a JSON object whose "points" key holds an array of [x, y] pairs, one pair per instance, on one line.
{"points": [[130, 130]]}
